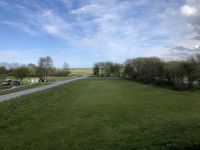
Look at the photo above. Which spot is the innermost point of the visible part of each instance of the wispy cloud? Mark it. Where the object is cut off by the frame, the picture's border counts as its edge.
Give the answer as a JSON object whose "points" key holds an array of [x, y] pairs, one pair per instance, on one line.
{"points": [[51, 22], [21, 26], [181, 52], [4, 5], [86, 9]]}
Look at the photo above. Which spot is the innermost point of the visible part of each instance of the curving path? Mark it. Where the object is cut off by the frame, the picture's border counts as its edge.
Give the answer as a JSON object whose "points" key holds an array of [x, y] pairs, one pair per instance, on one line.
{"points": [[37, 89]]}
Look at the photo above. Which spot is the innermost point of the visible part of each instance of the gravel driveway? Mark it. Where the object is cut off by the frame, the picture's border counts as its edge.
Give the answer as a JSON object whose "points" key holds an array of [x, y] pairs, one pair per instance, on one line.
{"points": [[29, 91]]}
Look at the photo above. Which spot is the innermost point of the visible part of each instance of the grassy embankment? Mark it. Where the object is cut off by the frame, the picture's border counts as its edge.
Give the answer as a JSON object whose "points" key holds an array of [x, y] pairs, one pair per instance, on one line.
{"points": [[101, 114]]}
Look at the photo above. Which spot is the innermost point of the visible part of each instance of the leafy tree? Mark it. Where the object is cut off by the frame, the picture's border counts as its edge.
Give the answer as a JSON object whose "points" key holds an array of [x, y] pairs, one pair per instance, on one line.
{"points": [[32, 70], [21, 72]]}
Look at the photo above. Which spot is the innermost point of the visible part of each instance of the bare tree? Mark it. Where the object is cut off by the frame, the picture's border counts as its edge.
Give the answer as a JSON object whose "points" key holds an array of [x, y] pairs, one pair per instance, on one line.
{"points": [[45, 67], [192, 67], [3, 73], [66, 66], [107, 69]]}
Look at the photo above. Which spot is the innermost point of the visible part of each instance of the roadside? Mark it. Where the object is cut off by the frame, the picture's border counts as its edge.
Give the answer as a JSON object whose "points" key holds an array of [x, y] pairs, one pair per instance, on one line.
{"points": [[37, 89], [51, 80]]}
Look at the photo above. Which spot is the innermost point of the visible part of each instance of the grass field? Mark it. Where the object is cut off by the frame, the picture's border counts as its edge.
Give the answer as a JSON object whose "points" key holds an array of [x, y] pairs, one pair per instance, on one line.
{"points": [[83, 71], [98, 114]]}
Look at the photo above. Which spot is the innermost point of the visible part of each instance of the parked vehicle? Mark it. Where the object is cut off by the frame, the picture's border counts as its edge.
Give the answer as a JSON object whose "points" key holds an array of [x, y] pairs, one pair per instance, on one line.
{"points": [[7, 82], [41, 80], [16, 83]]}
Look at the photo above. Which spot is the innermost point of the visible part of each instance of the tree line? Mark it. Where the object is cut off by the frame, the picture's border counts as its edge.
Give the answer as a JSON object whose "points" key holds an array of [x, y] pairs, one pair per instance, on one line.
{"points": [[43, 69], [179, 74], [107, 69]]}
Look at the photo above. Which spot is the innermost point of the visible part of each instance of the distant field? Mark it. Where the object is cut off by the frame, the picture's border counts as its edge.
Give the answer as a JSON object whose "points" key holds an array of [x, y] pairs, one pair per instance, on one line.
{"points": [[101, 113], [84, 71], [59, 78]]}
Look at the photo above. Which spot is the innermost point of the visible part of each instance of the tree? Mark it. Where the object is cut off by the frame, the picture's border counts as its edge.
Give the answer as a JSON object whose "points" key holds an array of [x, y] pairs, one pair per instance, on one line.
{"points": [[3, 73], [107, 69], [169, 72], [96, 69], [154, 70], [198, 67], [63, 72], [192, 67], [143, 69], [66, 66], [117, 69], [175, 72], [129, 69], [32, 70], [45, 67], [21, 72]]}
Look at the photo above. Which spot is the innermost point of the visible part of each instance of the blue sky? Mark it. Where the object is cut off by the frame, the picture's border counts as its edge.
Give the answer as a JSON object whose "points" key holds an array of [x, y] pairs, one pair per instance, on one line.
{"points": [[82, 32]]}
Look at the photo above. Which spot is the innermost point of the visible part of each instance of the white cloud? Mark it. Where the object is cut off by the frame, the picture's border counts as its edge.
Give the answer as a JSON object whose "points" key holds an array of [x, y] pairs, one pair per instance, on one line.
{"points": [[187, 43], [188, 10]]}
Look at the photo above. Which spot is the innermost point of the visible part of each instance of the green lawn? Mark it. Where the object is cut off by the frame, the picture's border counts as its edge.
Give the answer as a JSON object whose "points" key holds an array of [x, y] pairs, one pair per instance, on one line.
{"points": [[97, 114], [83, 71]]}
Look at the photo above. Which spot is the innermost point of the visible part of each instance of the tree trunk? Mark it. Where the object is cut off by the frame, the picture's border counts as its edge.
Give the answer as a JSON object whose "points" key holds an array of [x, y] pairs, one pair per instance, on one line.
{"points": [[190, 84]]}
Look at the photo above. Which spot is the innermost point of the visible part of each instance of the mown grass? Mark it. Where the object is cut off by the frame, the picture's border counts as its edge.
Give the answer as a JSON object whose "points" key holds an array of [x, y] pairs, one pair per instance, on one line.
{"points": [[101, 114]]}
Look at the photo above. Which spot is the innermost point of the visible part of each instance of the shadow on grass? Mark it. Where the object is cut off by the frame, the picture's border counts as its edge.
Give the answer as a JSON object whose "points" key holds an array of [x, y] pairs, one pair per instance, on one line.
{"points": [[165, 85], [162, 84], [191, 147]]}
